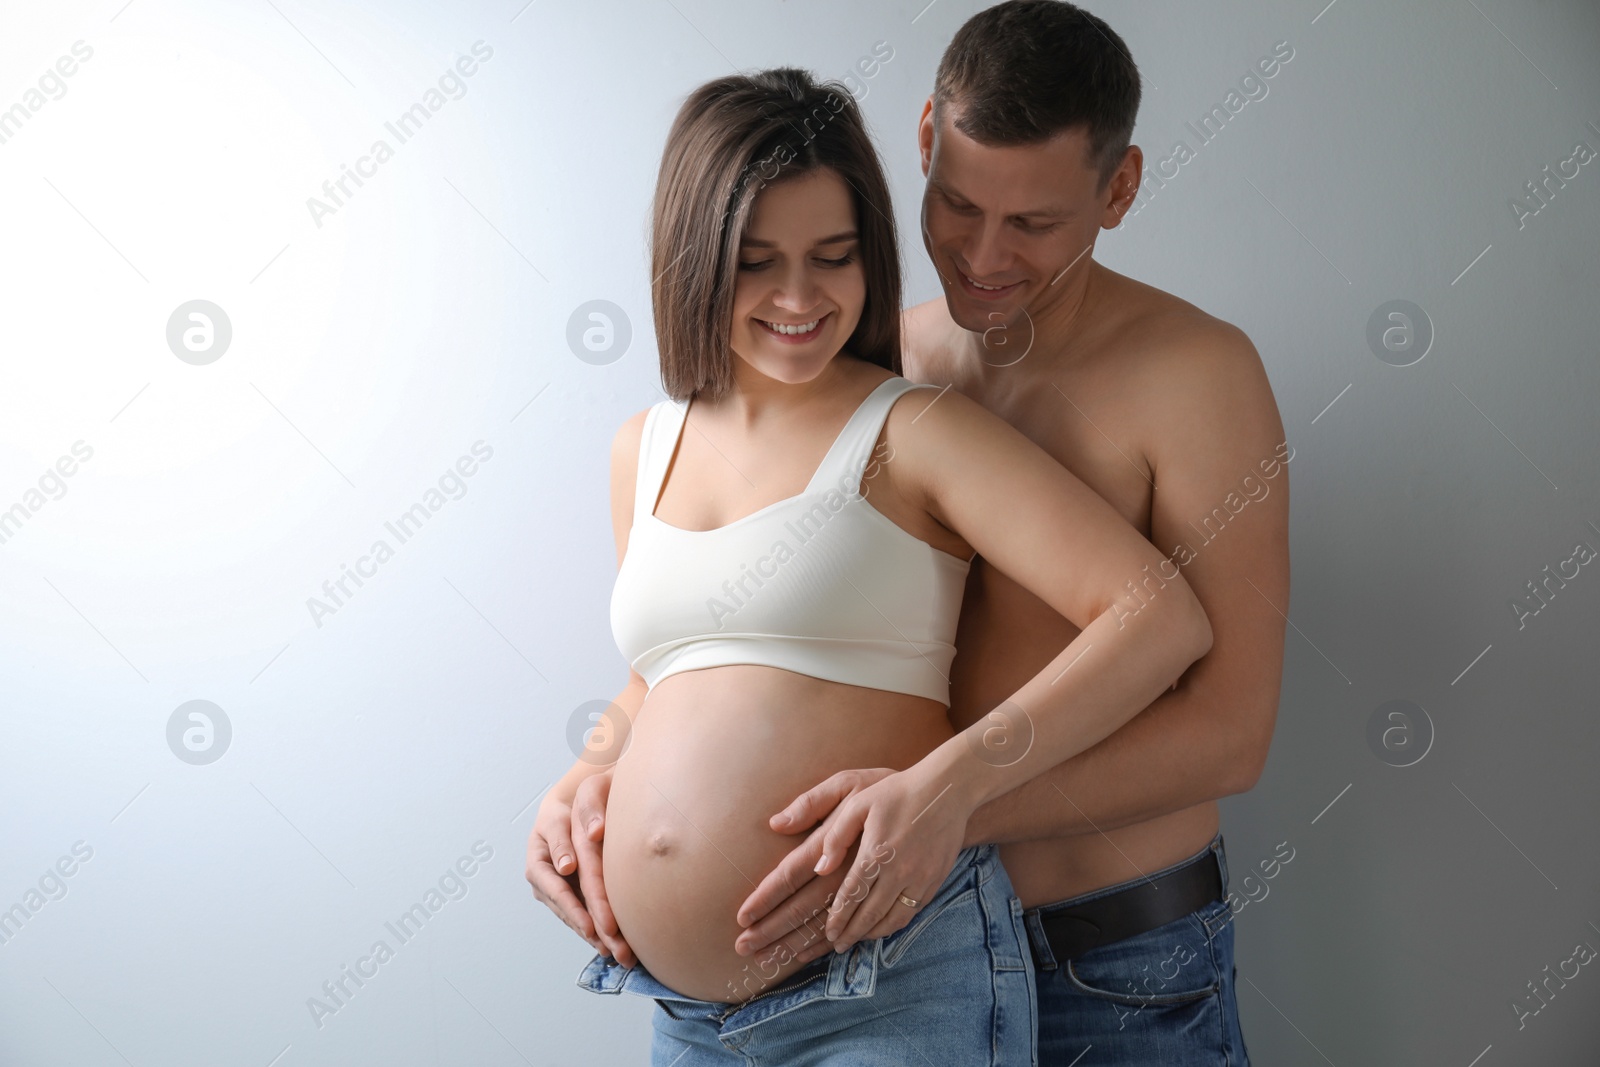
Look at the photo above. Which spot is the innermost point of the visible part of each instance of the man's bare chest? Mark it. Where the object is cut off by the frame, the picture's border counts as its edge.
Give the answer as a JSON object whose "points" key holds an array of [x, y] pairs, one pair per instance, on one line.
{"points": [[1088, 425]]}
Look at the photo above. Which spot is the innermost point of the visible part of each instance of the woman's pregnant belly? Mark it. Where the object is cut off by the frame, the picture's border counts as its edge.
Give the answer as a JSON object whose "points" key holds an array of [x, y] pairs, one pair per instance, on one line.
{"points": [[713, 755]]}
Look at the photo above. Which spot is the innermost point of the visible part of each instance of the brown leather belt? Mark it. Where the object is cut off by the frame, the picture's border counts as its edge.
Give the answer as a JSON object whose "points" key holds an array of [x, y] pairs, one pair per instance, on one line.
{"points": [[1140, 907]]}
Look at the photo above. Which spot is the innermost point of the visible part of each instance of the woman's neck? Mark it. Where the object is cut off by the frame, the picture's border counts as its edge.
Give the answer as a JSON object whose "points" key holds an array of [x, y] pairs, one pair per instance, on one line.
{"points": [[756, 398]]}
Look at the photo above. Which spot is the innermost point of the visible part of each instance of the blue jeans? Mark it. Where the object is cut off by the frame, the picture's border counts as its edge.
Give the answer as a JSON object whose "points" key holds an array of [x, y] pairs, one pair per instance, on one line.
{"points": [[1165, 996], [953, 987]]}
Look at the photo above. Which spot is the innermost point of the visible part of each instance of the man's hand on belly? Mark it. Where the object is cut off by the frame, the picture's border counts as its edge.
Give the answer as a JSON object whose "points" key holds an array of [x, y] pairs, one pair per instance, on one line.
{"points": [[561, 848], [588, 833], [798, 921]]}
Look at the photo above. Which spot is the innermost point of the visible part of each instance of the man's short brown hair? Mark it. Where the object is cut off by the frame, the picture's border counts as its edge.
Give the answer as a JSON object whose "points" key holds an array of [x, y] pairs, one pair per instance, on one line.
{"points": [[1026, 70]]}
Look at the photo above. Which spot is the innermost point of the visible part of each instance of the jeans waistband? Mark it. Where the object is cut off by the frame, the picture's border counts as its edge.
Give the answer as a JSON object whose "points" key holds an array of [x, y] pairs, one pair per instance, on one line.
{"points": [[1034, 921], [852, 973], [1215, 846]]}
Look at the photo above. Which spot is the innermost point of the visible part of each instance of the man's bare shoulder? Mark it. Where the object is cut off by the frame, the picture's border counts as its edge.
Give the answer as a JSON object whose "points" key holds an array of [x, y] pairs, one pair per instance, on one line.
{"points": [[926, 337], [1166, 339], [1205, 392], [1140, 312]]}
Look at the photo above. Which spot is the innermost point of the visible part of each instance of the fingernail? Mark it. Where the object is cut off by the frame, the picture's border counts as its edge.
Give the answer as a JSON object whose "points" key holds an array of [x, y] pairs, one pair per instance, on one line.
{"points": [[594, 822], [822, 862], [781, 819], [563, 863]]}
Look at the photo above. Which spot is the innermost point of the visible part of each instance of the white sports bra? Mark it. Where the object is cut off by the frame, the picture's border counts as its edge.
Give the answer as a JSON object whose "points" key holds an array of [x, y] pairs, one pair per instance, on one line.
{"points": [[822, 584]]}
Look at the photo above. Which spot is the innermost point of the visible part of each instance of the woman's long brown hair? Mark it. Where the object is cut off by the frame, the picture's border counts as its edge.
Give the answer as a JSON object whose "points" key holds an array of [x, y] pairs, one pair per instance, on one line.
{"points": [[731, 138]]}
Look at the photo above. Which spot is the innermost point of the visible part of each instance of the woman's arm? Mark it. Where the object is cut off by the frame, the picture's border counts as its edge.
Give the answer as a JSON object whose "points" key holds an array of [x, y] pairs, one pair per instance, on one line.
{"points": [[1036, 522], [557, 850]]}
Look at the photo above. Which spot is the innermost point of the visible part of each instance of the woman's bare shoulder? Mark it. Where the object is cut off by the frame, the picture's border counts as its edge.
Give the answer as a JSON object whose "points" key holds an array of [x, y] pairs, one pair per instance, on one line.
{"points": [[944, 410], [625, 444], [625, 452]]}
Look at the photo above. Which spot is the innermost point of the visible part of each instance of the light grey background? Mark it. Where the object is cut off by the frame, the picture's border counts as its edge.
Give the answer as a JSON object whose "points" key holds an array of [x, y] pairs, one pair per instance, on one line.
{"points": [[371, 749]]}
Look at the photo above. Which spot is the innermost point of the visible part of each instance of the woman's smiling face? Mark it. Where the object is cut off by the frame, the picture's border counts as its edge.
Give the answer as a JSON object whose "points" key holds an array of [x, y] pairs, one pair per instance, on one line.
{"points": [[800, 287]]}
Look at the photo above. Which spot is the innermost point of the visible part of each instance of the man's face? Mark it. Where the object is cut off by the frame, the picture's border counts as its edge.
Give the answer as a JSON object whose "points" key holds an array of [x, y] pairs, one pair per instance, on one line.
{"points": [[1004, 223]]}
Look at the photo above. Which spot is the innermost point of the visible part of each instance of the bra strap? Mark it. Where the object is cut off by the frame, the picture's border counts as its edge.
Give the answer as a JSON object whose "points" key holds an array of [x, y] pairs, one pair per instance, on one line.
{"points": [[656, 443], [845, 462]]}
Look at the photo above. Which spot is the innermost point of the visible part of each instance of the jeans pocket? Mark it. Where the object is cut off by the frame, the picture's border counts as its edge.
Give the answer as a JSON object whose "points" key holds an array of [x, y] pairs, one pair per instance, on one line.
{"points": [[1215, 917], [1172, 964], [895, 945]]}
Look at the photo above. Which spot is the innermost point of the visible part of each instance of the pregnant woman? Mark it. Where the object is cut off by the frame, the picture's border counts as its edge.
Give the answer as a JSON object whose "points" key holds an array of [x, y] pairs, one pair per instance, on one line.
{"points": [[794, 526]]}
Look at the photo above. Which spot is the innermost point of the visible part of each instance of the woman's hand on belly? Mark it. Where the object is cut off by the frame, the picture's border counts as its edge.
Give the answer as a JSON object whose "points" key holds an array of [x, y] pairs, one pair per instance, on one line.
{"points": [[791, 893], [910, 833]]}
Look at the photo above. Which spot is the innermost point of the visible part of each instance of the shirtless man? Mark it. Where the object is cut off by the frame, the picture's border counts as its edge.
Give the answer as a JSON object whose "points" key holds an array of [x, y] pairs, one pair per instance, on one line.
{"points": [[1165, 411]]}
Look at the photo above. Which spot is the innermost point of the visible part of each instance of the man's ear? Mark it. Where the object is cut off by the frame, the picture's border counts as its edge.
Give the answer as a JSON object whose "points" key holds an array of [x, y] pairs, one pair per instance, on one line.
{"points": [[925, 136], [1124, 188]]}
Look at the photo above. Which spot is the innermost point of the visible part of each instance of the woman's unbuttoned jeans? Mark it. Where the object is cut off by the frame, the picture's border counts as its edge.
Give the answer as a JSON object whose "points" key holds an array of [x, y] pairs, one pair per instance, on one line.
{"points": [[953, 987]]}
